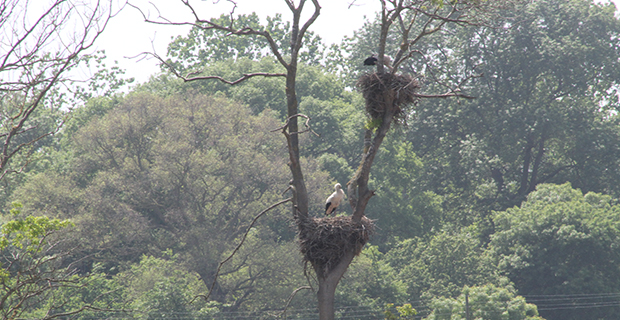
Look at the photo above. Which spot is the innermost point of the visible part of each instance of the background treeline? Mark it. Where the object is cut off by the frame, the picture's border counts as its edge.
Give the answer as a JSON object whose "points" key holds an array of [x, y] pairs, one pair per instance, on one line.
{"points": [[509, 199]]}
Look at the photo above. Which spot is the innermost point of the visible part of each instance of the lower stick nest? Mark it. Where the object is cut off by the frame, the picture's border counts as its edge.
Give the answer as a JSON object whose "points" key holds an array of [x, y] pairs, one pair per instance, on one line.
{"points": [[324, 241], [386, 90]]}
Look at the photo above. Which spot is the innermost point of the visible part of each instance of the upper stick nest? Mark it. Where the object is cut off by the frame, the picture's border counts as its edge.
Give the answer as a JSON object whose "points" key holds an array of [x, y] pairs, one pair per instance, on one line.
{"points": [[386, 90], [324, 241]]}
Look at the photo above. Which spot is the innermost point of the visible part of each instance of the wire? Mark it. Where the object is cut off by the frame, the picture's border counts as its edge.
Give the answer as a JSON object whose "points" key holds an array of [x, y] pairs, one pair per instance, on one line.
{"points": [[543, 303]]}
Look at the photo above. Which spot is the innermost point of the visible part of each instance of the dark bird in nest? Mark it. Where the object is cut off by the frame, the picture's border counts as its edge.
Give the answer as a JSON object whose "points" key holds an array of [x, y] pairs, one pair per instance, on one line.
{"points": [[371, 61], [332, 203]]}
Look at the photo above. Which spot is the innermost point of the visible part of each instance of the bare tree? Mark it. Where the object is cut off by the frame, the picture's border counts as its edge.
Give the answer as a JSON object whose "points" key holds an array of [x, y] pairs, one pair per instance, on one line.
{"points": [[40, 41], [330, 244]]}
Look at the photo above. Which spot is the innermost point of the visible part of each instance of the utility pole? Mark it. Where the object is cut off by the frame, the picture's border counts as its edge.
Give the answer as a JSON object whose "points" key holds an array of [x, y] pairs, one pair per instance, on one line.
{"points": [[467, 306]]}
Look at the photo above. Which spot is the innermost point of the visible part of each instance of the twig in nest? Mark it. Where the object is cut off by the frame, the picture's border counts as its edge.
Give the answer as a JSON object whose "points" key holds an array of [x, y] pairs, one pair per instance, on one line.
{"points": [[383, 91], [324, 241]]}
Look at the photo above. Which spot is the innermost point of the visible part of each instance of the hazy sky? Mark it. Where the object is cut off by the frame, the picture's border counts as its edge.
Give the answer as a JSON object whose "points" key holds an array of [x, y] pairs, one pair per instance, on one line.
{"points": [[128, 35]]}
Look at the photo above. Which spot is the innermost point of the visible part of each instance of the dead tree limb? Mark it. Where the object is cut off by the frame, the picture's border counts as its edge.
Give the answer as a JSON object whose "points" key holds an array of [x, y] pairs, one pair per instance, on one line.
{"points": [[232, 254], [290, 298], [35, 59]]}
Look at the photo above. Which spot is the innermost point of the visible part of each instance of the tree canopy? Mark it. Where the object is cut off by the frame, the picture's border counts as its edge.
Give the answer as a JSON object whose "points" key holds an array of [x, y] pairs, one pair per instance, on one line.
{"points": [[561, 242], [504, 206]]}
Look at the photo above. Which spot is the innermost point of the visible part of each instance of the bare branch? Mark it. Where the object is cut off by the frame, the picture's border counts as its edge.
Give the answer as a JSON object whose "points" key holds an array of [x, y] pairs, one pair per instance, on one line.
{"points": [[290, 298], [352, 3], [286, 124], [22, 131], [219, 267], [310, 21], [190, 76], [445, 95], [209, 25], [31, 70], [245, 77]]}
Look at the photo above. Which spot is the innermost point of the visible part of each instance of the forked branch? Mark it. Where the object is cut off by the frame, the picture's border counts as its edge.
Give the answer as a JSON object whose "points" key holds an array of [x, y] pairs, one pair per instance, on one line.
{"points": [[230, 29], [232, 254], [190, 76], [286, 124], [290, 298]]}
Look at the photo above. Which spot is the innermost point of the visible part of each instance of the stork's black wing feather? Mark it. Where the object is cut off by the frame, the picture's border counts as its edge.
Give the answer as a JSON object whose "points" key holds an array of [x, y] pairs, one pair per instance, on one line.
{"points": [[370, 61]]}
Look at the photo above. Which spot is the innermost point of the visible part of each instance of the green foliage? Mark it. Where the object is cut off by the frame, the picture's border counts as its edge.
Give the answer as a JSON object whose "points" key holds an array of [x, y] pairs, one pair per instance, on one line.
{"points": [[262, 275], [34, 283], [41, 126], [257, 93], [543, 111], [185, 173], [105, 82], [24, 147], [371, 282], [337, 120], [560, 242], [487, 302], [30, 232], [373, 124], [92, 109], [403, 207], [443, 264], [403, 312], [95, 295], [160, 288]]}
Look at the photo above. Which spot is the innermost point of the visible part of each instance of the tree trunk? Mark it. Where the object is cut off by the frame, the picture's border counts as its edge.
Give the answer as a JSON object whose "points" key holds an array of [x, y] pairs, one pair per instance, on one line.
{"points": [[326, 297], [358, 191], [538, 160], [327, 286], [527, 159]]}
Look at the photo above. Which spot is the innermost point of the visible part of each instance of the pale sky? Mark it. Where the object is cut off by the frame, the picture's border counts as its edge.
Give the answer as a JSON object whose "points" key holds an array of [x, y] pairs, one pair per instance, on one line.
{"points": [[128, 35]]}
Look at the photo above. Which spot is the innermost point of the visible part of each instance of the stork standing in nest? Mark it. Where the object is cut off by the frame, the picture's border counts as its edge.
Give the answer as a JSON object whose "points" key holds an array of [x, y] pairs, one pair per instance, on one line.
{"points": [[332, 203]]}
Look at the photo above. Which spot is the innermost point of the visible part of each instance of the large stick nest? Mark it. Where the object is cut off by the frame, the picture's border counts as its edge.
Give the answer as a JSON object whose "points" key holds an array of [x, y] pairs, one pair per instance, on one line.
{"points": [[324, 241], [386, 90]]}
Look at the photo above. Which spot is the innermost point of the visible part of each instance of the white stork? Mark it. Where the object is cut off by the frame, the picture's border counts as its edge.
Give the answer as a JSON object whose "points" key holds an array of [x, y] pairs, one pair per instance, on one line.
{"points": [[332, 203]]}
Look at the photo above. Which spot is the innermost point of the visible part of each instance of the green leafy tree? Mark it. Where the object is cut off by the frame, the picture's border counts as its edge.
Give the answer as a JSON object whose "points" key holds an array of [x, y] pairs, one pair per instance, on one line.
{"points": [[486, 302], [314, 83], [257, 94], [181, 173], [337, 121], [561, 244], [161, 289], [400, 15], [544, 110], [441, 265], [263, 273], [34, 276], [96, 295], [32, 140], [372, 282], [402, 312], [404, 208]]}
